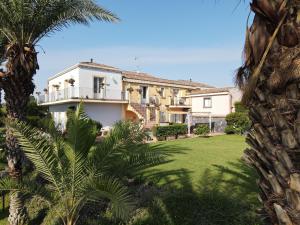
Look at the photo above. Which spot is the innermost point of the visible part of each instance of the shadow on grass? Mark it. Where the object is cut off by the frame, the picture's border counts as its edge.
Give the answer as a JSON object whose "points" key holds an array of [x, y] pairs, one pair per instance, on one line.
{"points": [[225, 196]]}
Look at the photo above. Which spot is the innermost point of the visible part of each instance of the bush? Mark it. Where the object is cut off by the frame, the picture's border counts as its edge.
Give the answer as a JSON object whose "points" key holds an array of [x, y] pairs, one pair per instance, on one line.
{"points": [[202, 129], [239, 107], [230, 130], [237, 123], [171, 130]]}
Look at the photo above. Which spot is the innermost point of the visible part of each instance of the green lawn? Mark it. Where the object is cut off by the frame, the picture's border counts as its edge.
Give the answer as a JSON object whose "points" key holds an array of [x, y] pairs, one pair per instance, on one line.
{"points": [[207, 184]]}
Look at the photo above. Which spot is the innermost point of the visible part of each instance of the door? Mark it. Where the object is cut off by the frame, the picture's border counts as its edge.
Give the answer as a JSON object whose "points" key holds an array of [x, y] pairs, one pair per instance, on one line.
{"points": [[98, 87], [144, 94]]}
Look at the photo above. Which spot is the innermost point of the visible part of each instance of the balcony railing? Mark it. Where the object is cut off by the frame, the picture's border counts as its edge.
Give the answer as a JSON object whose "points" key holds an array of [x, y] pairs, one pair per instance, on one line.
{"points": [[178, 101], [82, 93]]}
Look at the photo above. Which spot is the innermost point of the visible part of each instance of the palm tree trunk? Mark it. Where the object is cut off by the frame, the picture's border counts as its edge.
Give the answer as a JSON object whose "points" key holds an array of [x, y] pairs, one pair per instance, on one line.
{"points": [[18, 86], [275, 153], [270, 80]]}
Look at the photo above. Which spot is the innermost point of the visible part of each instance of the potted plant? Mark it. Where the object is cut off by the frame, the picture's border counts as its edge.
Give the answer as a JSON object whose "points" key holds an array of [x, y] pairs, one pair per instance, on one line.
{"points": [[71, 81], [130, 89]]}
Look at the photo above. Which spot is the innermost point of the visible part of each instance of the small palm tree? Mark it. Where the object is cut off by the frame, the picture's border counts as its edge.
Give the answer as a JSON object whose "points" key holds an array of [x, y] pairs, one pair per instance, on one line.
{"points": [[124, 153], [23, 23], [71, 177]]}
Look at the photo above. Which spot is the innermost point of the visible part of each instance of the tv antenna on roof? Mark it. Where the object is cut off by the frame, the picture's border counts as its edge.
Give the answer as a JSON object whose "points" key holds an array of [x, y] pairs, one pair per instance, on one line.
{"points": [[137, 64]]}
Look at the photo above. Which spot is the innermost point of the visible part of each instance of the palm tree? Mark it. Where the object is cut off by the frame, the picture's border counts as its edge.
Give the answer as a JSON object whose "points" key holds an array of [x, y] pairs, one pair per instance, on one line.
{"points": [[70, 174], [23, 23], [124, 154], [269, 79]]}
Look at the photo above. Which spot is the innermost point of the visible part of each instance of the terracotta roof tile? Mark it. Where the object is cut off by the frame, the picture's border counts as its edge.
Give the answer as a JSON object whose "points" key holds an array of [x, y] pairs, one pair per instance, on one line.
{"points": [[148, 77], [210, 91], [145, 76]]}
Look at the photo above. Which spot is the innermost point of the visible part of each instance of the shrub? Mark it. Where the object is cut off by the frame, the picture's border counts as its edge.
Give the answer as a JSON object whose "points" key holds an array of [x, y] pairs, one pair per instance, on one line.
{"points": [[237, 122], [239, 107], [202, 129], [230, 130], [171, 130]]}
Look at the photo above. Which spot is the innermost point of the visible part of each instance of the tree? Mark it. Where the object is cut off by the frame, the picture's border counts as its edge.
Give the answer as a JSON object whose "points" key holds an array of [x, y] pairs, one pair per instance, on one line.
{"points": [[124, 154], [269, 79], [71, 177], [23, 23]]}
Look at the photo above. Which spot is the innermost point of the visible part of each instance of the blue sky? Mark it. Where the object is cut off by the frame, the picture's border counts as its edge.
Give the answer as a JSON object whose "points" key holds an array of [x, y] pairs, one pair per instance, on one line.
{"points": [[174, 39]]}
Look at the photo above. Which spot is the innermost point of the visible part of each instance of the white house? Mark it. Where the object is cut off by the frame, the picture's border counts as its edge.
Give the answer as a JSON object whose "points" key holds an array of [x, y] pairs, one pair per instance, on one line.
{"points": [[211, 106], [90, 83]]}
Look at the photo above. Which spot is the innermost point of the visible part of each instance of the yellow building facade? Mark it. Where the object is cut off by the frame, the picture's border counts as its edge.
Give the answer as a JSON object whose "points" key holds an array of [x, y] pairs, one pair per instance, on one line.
{"points": [[154, 100]]}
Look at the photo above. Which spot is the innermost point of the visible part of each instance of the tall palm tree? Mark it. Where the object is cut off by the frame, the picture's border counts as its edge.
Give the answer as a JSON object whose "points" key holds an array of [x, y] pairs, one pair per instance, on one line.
{"points": [[23, 23], [71, 177], [270, 81]]}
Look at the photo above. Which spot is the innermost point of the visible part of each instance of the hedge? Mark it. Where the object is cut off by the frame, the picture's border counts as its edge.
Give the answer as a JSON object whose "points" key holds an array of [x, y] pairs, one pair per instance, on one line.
{"points": [[202, 129], [237, 123], [171, 130]]}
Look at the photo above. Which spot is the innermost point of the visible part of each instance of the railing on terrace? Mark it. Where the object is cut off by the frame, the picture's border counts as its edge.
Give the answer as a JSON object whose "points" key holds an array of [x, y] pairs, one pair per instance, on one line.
{"points": [[179, 101], [82, 93]]}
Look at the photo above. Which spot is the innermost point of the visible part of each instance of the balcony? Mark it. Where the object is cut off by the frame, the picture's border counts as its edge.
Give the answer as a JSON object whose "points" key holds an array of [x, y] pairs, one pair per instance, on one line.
{"points": [[85, 94], [180, 102]]}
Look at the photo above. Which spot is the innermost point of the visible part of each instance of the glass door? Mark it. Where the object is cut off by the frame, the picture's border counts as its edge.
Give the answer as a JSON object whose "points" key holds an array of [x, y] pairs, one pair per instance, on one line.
{"points": [[98, 87]]}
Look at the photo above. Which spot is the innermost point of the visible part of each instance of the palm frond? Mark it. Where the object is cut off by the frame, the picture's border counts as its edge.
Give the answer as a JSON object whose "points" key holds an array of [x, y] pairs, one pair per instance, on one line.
{"points": [[32, 20], [80, 138], [40, 151], [124, 153], [111, 189]]}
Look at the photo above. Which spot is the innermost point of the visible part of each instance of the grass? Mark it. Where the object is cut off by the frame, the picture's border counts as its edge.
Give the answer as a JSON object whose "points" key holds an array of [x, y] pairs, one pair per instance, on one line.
{"points": [[207, 184], [204, 183]]}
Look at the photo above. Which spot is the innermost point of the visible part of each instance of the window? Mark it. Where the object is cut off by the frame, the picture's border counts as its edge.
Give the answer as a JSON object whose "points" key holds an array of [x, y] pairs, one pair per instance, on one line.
{"points": [[98, 84], [163, 117], [162, 92], [175, 92], [207, 103], [144, 92], [176, 118]]}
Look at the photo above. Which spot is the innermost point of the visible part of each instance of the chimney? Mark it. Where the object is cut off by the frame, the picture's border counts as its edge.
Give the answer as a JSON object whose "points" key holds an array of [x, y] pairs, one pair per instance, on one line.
{"points": [[92, 60]]}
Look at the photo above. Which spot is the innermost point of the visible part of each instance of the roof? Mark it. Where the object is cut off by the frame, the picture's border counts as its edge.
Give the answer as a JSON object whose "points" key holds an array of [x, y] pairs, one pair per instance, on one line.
{"points": [[136, 75], [151, 78], [98, 66], [210, 91]]}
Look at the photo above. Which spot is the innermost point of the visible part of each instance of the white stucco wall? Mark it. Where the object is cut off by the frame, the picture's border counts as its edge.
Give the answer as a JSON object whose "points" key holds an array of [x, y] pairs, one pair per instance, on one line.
{"points": [[84, 84], [113, 82], [105, 113], [221, 104], [59, 114]]}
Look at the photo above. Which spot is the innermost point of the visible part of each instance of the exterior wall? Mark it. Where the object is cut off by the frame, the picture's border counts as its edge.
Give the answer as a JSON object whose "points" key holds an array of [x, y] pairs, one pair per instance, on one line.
{"points": [[84, 84], [218, 124], [112, 81], [221, 104], [59, 113], [163, 112], [105, 113], [153, 91]]}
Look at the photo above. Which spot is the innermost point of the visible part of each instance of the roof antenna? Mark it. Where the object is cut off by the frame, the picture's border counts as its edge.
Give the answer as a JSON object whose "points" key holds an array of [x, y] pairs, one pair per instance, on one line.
{"points": [[137, 64]]}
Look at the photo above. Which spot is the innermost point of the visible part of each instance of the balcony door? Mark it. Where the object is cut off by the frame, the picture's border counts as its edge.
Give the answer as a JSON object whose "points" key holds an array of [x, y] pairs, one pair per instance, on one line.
{"points": [[144, 95], [98, 87]]}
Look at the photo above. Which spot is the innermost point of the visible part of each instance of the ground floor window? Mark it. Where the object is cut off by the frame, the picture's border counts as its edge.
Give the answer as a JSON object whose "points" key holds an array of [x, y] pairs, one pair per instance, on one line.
{"points": [[177, 118], [163, 117]]}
